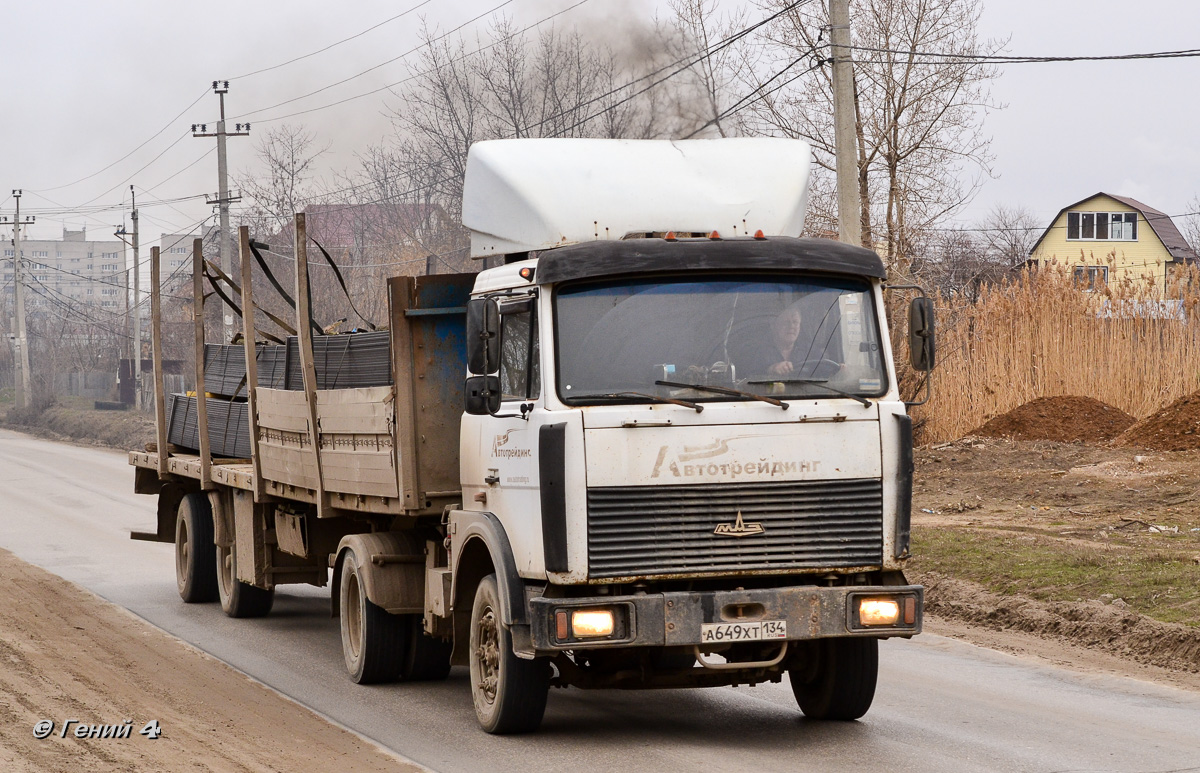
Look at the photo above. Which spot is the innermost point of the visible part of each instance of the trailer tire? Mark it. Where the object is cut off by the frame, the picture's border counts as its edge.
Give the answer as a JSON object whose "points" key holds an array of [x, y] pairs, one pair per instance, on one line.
{"points": [[195, 561], [239, 599], [426, 659], [373, 641], [509, 693], [840, 685]]}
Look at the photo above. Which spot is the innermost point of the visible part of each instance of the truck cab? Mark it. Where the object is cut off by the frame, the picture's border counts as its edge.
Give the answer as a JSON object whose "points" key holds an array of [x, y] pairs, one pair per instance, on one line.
{"points": [[685, 460]]}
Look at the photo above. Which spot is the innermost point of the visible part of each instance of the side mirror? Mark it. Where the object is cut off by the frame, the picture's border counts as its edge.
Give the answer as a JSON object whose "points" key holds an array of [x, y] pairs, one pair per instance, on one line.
{"points": [[920, 334], [483, 395], [483, 336]]}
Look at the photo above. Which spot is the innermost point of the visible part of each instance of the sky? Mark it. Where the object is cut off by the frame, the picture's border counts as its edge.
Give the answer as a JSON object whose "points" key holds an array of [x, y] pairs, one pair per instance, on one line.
{"points": [[88, 83]]}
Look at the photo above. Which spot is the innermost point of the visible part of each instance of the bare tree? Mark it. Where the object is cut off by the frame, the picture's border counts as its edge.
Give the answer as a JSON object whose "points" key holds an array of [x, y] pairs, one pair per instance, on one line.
{"points": [[918, 117], [714, 78], [1008, 234], [281, 185], [1189, 224]]}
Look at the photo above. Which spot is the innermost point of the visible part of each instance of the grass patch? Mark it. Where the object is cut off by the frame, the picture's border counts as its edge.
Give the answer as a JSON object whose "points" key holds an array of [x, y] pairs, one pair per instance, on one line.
{"points": [[1160, 582]]}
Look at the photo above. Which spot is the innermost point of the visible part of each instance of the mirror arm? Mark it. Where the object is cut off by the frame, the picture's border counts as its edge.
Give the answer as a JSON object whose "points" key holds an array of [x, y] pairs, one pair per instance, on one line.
{"points": [[928, 392]]}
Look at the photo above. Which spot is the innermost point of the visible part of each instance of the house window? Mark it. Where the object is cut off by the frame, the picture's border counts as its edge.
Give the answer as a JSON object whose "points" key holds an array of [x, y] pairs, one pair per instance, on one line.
{"points": [[1091, 277], [1102, 226]]}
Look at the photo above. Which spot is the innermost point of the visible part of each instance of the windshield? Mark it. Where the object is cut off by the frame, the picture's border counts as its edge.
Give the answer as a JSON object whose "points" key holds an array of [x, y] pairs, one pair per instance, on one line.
{"points": [[766, 335]]}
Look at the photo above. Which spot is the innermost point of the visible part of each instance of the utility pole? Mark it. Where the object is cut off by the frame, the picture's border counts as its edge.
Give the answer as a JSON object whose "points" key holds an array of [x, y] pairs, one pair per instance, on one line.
{"points": [[137, 310], [846, 152], [221, 88], [24, 390]]}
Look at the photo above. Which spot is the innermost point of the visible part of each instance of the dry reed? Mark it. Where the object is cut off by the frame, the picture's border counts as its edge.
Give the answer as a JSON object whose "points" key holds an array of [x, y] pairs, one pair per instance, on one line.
{"points": [[1133, 345]]}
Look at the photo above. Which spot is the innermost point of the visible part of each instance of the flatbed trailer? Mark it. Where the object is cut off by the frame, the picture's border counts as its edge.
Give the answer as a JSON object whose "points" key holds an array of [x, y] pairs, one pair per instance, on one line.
{"points": [[579, 471]]}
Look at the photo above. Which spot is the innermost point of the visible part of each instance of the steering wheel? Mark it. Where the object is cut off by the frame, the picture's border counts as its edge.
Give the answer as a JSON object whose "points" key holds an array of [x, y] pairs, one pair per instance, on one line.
{"points": [[817, 369]]}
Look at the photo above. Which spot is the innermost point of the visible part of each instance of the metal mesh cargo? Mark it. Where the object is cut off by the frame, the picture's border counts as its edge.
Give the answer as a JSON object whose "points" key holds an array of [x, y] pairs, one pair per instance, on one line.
{"points": [[228, 426], [344, 361]]}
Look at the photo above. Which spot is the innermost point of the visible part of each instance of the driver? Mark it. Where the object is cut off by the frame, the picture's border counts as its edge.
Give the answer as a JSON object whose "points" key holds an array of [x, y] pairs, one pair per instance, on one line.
{"points": [[776, 354]]}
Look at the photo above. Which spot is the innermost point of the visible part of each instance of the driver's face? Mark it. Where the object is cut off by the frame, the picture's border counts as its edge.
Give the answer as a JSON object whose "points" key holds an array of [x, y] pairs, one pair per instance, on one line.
{"points": [[786, 326]]}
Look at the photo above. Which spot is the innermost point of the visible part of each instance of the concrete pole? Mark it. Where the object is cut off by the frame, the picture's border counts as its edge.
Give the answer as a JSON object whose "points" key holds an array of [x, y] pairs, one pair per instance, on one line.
{"points": [[223, 208], [24, 390], [849, 212], [137, 311]]}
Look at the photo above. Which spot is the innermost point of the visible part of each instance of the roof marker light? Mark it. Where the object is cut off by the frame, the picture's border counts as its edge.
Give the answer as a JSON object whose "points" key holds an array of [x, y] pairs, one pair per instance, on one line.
{"points": [[714, 235], [527, 273], [759, 234], [670, 236]]}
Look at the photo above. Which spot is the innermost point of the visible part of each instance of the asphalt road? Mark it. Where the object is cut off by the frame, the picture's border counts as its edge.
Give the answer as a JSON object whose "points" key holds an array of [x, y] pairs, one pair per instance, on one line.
{"points": [[942, 705]]}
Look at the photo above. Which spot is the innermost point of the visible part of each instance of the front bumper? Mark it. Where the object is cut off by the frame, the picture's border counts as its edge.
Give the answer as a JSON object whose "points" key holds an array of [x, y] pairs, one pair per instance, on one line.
{"points": [[677, 619]]}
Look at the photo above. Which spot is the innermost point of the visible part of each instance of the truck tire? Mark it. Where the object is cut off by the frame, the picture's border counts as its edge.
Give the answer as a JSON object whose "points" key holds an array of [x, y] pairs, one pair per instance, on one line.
{"points": [[426, 659], [841, 686], [195, 562], [373, 641], [239, 599], [509, 693]]}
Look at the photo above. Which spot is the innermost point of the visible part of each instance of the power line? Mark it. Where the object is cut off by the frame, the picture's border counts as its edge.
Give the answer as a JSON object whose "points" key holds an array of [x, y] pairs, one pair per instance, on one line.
{"points": [[376, 67], [130, 153], [700, 56], [333, 45], [139, 171], [416, 75], [1001, 59], [758, 93]]}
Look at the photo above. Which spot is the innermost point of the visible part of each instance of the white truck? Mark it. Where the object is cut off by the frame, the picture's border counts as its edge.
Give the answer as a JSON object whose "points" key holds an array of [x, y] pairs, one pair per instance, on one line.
{"points": [[684, 459]]}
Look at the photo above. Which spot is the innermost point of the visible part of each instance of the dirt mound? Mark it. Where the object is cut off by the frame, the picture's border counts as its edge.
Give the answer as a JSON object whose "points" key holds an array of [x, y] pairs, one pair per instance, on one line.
{"points": [[1174, 428], [1111, 627], [1062, 419]]}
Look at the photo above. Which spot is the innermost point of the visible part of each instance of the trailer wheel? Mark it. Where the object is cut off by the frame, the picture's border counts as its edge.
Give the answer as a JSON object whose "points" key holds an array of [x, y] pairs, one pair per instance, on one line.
{"points": [[373, 641], [195, 563], [509, 693], [426, 659], [840, 684], [239, 599]]}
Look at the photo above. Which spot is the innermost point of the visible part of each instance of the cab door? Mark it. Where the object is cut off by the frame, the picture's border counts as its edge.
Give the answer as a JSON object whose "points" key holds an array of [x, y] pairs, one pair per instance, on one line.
{"points": [[502, 474]]}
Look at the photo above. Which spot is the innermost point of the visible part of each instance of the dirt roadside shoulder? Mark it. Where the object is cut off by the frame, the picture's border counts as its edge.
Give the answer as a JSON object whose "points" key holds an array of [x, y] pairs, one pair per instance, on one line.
{"points": [[67, 654], [1086, 637]]}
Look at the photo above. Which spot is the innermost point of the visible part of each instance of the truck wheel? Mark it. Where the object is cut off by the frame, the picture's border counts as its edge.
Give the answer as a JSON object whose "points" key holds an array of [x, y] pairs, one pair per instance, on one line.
{"points": [[373, 641], [509, 693], [239, 599], [195, 563], [841, 683], [426, 659]]}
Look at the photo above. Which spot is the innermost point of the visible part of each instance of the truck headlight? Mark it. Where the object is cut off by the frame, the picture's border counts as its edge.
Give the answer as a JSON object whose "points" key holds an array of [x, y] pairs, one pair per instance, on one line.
{"points": [[878, 611], [591, 623]]}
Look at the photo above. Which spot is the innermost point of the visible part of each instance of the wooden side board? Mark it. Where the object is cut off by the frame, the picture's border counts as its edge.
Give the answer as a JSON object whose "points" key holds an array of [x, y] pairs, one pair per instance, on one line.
{"points": [[355, 438]]}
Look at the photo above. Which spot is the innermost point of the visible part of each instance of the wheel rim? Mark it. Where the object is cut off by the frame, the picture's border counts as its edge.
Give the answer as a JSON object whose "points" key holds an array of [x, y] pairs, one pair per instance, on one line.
{"points": [[182, 552], [353, 613], [487, 654], [225, 570]]}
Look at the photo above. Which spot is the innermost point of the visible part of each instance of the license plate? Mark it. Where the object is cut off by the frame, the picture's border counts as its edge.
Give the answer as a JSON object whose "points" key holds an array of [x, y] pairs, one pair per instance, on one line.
{"points": [[716, 633]]}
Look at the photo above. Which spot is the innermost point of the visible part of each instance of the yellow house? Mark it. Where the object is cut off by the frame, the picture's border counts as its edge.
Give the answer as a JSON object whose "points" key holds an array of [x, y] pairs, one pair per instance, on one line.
{"points": [[1107, 238]]}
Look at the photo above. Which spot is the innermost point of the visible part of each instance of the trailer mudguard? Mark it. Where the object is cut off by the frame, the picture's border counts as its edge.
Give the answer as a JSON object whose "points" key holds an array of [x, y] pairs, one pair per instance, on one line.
{"points": [[393, 570]]}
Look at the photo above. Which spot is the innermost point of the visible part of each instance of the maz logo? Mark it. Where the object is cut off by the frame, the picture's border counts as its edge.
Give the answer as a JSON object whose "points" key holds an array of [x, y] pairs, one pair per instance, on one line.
{"points": [[739, 528]]}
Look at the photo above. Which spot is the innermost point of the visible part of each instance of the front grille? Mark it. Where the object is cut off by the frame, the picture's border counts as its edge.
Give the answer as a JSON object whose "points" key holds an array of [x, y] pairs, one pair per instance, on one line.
{"points": [[643, 530]]}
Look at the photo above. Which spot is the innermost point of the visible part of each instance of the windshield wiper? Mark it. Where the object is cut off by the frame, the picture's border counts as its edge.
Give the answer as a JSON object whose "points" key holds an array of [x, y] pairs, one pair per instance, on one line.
{"points": [[817, 381], [724, 391], [652, 398]]}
